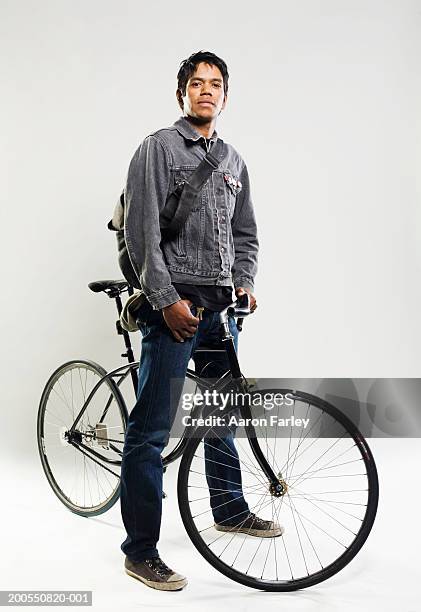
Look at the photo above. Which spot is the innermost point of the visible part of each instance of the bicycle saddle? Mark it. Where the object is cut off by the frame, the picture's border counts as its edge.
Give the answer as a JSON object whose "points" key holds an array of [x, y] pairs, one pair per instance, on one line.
{"points": [[106, 285]]}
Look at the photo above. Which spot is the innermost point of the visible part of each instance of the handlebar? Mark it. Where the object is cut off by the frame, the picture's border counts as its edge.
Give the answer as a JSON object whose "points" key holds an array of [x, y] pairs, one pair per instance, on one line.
{"points": [[240, 307]]}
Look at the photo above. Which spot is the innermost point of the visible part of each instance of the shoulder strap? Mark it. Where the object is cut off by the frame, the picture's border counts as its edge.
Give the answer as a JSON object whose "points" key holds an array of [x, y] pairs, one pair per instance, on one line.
{"points": [[171, 222]]}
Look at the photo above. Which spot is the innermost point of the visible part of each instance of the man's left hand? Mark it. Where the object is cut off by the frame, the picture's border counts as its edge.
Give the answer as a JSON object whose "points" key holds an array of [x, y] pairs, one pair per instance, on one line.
{"points": [[241, 291]]}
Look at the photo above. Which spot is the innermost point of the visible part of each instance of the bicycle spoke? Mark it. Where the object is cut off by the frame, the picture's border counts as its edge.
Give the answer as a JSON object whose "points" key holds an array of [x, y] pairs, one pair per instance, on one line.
{"points": [[330, 467], [256, 473], [318, 459], [251, 488], [306, 532], [227, 465], [324, 501]]}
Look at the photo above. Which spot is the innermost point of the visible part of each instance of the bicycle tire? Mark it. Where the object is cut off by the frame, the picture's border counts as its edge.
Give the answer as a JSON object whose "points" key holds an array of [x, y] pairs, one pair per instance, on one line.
{"points": [[306, 581]]}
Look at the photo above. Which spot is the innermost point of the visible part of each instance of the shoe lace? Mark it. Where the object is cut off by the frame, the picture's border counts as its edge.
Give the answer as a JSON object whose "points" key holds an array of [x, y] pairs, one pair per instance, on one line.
{"points": [[158, 566], [256, 519]]}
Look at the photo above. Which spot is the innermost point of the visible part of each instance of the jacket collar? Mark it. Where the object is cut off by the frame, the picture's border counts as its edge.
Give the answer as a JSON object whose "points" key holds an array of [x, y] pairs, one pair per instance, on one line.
{"points": [[187, 130]]}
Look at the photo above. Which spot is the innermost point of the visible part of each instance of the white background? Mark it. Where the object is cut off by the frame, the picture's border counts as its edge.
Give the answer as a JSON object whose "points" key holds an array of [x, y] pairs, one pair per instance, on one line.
{"points": [[323, 105]]}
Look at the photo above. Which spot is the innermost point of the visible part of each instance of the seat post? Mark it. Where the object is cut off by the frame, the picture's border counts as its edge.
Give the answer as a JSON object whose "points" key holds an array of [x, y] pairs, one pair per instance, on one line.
{"points": [[122, 332], [113, 288]]}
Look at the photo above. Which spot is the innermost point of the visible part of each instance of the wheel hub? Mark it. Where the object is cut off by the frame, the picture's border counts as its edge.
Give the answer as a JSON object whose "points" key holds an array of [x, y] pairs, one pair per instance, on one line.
{"points": [[279, 488], [63, 435], [74, 436]]}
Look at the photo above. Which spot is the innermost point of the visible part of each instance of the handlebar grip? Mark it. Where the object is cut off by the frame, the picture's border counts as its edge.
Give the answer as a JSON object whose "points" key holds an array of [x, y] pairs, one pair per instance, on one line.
{"points": [[243, 301]]}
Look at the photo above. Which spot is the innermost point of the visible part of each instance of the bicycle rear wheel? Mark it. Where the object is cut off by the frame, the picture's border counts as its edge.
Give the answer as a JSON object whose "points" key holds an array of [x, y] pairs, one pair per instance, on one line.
{"points": [[83, 466], [328, 505]]}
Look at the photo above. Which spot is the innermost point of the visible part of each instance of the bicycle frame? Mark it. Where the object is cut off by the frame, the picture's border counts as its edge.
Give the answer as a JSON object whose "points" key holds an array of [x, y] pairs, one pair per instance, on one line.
{"points": [[233, 374]]}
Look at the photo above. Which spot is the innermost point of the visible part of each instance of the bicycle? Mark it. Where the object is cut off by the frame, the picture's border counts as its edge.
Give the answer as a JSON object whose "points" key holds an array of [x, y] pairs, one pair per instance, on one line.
{"points": [[81, 432]]}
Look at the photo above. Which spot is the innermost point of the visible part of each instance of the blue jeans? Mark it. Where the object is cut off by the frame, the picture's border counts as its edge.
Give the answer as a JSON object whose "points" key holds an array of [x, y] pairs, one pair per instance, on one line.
{"points": [[163, 358]]}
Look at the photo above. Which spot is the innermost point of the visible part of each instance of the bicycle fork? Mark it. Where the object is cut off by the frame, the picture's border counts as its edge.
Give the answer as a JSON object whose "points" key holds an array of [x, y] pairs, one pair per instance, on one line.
{"points": [[277, 486]]}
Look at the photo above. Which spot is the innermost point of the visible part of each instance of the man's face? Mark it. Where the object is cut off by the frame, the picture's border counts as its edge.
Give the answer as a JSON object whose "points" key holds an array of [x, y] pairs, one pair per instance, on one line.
{"points": [[205, 96]]}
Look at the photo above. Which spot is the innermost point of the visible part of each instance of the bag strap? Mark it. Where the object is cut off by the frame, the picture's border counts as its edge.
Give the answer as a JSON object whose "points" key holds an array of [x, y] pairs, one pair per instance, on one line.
{"points": [[182, 198], [172, 217]]}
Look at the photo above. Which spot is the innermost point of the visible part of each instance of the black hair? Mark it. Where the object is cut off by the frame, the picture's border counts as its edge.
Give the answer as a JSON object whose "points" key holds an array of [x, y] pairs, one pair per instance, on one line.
{"points": [[188, 67]]}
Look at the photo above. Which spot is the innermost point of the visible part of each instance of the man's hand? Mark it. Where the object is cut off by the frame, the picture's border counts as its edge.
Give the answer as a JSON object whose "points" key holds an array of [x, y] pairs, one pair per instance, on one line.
{"points": [[180, 320], [241, 291]]}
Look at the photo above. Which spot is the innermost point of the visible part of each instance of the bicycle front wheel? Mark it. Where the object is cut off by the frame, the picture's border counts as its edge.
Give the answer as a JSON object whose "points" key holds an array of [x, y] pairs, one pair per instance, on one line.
{"points": [[327, 507]]}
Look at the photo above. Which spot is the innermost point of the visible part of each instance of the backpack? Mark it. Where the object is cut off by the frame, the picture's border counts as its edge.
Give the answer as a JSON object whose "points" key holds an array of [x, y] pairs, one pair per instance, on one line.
{"points": [[116, 224], [176, 210]]}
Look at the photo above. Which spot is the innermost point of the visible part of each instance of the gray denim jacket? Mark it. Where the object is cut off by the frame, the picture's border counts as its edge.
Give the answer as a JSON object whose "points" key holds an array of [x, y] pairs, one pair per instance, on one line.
{"points": [[218, 243]]}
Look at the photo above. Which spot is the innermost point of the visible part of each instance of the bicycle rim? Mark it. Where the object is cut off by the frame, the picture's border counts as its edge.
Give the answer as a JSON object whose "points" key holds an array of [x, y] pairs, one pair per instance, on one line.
{"points": [[327, 511]]}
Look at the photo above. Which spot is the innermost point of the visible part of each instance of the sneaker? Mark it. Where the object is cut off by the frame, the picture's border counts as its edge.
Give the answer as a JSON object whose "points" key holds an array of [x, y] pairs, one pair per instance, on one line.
{"points": [[254, 526], [155, 574]]}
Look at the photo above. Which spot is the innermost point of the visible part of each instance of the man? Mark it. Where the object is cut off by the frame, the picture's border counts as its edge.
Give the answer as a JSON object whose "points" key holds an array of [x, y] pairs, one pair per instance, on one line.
{"points": [[192, 272]]}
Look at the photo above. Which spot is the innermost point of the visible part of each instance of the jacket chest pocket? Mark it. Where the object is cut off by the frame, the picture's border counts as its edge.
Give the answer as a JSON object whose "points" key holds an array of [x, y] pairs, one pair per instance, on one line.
{"points": [[183, 175], [186, 238]]}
